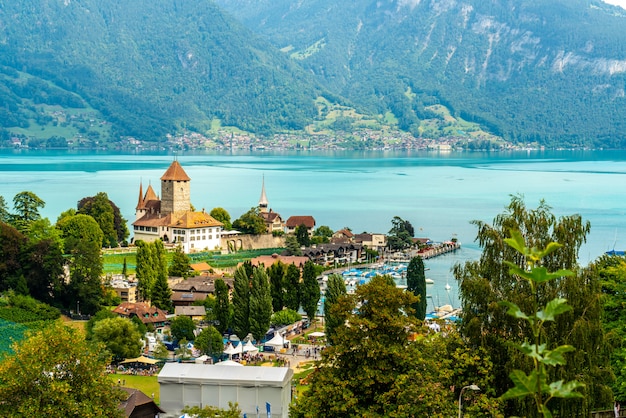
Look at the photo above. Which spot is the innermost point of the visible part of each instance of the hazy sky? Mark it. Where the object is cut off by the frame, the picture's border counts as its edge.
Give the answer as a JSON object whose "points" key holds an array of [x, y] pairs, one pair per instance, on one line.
{"points": [[621, 3]]}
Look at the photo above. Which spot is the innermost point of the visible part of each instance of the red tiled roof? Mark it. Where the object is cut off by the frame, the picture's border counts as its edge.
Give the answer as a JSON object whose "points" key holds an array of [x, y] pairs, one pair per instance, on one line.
{"points": [[268, 260], [295, 221], [176, 173], [148, 314]]}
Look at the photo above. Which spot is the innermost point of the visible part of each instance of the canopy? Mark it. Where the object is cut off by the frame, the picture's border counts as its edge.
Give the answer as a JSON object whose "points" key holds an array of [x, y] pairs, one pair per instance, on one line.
{"points": [[316, 334], [250, 348], [141, 359], [228, 363], [202, 359], [278, 341]]}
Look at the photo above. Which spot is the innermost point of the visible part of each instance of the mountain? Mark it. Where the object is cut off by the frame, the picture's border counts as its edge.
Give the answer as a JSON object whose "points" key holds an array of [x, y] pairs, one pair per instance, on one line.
{"points": [[144, 68], [551, 72]]}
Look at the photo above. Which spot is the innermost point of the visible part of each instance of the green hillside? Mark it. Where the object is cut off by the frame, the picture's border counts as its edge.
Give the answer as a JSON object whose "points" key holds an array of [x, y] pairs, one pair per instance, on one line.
{"points": [[548, 71]]}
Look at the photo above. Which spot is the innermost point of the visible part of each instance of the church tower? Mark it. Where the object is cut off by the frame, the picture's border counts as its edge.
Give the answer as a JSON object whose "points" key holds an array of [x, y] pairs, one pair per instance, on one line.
{"points": [[175, 190], [263, 203]]}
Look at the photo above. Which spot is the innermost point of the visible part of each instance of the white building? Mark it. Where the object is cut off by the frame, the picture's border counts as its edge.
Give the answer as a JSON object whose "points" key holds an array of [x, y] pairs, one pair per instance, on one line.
{"points": [[252, 387], [171, 219]]}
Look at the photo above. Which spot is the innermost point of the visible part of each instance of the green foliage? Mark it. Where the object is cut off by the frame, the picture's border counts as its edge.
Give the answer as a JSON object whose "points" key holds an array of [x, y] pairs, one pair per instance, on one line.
{"points": [[209, 342], [292, 245], [310, 293], [416, 283], [160, 294], [260, 312], [180, 264], [208, 411], [285, 317], [10, 333], [182, 328], [241, 300], [108, 216], [145, 270], [485, 322], [400, 235], [293, 291], [535, 384], [120, 336], [98, 316], [222, 306], [54, 373], [250, 223], [222, 215], [374, 369], [26, 206], [302, 235], [336, 288], [276, 273]]}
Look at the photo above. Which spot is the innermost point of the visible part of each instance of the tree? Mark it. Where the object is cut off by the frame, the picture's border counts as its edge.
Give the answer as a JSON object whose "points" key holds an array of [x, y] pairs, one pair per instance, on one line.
{"points": [[210, 342], [208, 411], [400, 235], [250, 223], [182, 328], [98, 316], [291, 297], [276, 273], [180, 263], [324, 233], [26, 206], [241, 300], [11, 243], [222, 306], [83, 240], [285, 317], [416, 283], [292, 246], [182, 351], [100, 209], [302, 235], [486, 282], [222, 215], [374, 369], [336, 288], [5, 216], [55, 373], [310, 291], [160, 294], [144, 270], [260, 304], [120, 336], [160, 351]]}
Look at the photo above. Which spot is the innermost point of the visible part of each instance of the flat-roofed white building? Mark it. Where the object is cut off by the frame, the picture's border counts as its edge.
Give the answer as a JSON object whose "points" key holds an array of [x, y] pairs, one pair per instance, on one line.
{"points": [[186, 384]]}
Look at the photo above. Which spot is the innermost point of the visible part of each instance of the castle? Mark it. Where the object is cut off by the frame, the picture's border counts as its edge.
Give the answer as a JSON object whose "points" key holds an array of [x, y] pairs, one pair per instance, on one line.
{"points": [[171, 219]]}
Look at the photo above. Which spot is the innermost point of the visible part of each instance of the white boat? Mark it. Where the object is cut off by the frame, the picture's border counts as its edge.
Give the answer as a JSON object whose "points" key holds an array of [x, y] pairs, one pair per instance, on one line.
{"points": [[430, 281]]}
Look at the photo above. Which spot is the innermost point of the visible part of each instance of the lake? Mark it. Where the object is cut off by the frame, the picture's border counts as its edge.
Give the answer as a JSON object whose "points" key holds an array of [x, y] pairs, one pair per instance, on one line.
{"points": [[439, 193]]}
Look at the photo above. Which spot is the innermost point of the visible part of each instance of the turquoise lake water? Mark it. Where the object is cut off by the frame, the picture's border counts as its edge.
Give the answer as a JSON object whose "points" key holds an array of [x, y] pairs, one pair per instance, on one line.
{"points": [[439, 193]]}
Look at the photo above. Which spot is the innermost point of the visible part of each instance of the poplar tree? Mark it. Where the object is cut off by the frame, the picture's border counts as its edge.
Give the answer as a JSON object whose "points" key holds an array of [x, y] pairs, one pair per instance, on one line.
{"points": [[260, 304], [336, 288], [180, 263], [222, 306], [485, 323], [144, 270], [291, 298], [276, 273], [416, 283], [310, 291], [161, 294], [241, 301]]}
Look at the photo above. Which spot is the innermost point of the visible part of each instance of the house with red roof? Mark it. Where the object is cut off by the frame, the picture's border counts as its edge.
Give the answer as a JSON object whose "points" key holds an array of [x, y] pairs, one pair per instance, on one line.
{"points": [[295, 221]]}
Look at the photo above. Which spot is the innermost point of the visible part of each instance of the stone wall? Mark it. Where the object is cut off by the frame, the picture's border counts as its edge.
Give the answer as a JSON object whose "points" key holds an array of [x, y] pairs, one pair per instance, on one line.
{"points": [[252, 242]]}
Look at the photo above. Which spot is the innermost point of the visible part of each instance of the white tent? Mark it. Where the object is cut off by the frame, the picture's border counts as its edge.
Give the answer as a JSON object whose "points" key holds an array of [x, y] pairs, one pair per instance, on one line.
{"points": [[202, 359], [250, 348], [230, 350], [228, 363], [278, 341]]}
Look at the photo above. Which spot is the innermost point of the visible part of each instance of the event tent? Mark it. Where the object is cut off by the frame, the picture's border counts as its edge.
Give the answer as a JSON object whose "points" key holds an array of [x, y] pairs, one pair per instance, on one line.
{"points": [[278, 341]]}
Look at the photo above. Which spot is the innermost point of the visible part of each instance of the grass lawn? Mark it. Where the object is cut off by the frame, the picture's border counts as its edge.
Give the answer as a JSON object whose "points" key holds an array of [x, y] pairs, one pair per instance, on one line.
{"points": [[146, 384]]}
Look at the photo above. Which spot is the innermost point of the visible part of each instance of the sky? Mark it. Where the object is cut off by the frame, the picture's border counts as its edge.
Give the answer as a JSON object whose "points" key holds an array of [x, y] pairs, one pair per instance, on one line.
{"points": [[621, 3]]}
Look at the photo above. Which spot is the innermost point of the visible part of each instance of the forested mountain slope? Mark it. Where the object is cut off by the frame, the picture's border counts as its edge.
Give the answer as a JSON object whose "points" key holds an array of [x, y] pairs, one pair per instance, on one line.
{"points": [[149, 67], [550, 71]]}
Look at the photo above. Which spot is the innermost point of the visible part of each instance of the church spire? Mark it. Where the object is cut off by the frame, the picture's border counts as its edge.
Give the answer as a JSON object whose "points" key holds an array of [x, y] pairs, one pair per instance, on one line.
{"points": [[263, 203], [140, 203]]}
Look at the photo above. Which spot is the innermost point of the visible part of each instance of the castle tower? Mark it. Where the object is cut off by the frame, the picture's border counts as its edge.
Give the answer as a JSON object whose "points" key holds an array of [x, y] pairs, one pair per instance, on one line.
{"points": [[175, 190], [263, 203]]}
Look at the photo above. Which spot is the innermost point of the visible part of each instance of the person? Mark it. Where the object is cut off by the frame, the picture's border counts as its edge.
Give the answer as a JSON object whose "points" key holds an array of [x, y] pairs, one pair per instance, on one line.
{"points": [[616, 409]]}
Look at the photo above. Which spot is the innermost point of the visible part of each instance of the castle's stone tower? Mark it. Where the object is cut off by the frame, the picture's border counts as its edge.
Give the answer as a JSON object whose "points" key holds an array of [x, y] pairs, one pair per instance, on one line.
{"points": [[175, 190]]}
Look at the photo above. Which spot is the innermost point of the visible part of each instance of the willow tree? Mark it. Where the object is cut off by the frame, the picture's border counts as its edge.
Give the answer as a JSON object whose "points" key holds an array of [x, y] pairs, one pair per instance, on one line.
{"points": [[485, 323], [416, 283]]}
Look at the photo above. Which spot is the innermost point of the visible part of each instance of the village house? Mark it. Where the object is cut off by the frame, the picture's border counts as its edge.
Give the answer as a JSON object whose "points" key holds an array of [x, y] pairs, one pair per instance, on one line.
{"points": [[195, 289], [295, 221], [273, 221], [268, 260], [171, 219], [374, 242], [149, 315], [334, 254], [197, 313]]}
